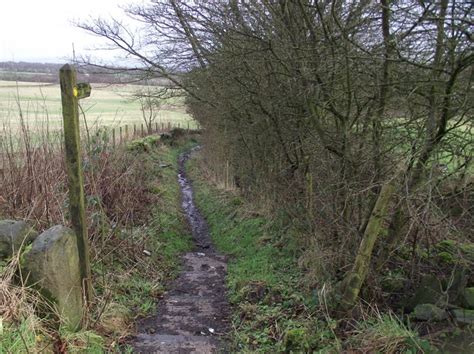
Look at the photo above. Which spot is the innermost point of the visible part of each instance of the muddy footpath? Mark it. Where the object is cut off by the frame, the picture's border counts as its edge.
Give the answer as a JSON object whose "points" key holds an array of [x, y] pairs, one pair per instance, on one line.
{"points": [[193, 316]]}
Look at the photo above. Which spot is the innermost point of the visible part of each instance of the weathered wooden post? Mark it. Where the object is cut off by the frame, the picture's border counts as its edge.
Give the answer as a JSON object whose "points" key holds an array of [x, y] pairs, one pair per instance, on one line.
{"points": [[142, 131], [126, 132], [134, 130], [70, 94], [120, 129], [156, 127], [113, 136]]}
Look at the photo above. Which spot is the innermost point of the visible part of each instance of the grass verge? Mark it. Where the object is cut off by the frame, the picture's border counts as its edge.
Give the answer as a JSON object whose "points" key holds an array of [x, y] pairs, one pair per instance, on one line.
{"points": [[273, 309]]}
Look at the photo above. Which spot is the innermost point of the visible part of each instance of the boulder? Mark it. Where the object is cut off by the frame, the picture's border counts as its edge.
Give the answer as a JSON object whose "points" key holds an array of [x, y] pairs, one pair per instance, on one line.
{"points": [[52, 265], [14, 234], [429, 312], [468, 298], [429, 292], [463, 316]]}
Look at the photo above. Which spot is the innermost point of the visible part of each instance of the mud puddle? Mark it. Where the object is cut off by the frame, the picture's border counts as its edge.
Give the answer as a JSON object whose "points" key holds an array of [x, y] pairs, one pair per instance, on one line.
{"points": [[193, 316]]}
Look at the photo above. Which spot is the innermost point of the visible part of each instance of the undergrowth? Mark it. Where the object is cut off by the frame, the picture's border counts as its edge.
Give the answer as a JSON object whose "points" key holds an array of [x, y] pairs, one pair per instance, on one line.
{"points": [[273, 309], [136, 232]]}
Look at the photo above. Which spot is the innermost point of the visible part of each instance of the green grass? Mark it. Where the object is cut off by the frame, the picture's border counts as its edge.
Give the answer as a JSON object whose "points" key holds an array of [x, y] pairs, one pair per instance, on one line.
{"points": [[166, 236], [271, 311], [108, 105]]}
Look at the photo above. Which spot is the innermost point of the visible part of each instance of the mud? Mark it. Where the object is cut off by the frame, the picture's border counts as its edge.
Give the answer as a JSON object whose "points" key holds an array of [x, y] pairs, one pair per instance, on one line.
{"points": [[193, 316]]}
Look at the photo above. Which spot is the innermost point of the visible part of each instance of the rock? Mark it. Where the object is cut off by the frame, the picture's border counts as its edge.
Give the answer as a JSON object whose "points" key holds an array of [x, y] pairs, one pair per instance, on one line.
{"points": [[52, 265], [14, 234], [468, 298], [455, 285], [429, 292], [429, 312], [463, 316]]}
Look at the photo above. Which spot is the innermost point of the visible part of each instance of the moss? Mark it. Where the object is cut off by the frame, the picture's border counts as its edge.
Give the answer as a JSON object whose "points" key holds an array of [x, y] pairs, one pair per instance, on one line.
{"points": [[144, 144], [429, 312], [446, 257], [393, 282], [296, 339]]}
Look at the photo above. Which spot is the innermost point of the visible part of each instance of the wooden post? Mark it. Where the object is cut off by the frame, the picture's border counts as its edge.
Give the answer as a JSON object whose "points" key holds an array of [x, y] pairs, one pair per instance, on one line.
{"points": [[156, 127], [143, 131], [70, 94], [121, 139], [352, 282], [134, 130], [162, 127], [126, 132], [113, 136]]}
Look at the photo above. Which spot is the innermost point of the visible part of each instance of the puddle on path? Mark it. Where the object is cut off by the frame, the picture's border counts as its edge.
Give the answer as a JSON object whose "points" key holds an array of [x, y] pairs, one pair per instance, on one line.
{"points": [[193, 315]]}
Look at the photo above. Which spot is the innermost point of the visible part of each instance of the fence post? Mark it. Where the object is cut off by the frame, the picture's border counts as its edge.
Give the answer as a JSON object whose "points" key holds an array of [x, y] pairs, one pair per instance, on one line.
{"points": [[142, 132], [156, 127], [126, 132], [113, 136], [70, 94], [134, 130], [120, 130]]}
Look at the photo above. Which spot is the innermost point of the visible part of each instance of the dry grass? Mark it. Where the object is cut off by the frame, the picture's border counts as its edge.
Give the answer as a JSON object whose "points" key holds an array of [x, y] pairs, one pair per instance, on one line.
{"points": [[33, 188]]}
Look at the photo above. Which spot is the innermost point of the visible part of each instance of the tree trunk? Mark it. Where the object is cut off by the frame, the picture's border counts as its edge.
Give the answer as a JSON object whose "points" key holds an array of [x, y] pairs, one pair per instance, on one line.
{"points": [[353, 281]]}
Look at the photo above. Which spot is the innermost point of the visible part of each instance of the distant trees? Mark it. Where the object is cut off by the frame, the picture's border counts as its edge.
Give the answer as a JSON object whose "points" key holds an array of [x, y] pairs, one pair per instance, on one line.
{"points": [[317, 103]]}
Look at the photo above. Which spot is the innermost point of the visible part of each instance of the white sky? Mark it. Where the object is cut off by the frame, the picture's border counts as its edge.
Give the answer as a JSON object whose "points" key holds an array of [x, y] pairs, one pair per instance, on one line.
{"points": [[41, 30]]}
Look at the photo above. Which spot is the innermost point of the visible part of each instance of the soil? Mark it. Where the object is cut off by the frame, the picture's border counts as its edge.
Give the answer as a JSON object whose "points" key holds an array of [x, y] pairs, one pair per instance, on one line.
{"points": [[193, 316]]}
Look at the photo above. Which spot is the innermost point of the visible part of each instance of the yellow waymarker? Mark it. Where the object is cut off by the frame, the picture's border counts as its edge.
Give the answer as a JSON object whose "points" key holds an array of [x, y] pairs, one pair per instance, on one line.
{"points": [[82, 90]]}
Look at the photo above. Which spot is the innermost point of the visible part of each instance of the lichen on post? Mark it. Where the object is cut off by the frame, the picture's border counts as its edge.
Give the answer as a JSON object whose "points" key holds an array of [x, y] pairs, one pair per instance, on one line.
{"points": [[70, 94]]}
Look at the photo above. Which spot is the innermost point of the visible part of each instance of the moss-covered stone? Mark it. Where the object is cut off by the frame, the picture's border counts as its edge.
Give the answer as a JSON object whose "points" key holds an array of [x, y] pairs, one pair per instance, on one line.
{"points": [[14, 234], [52, 265], [429, 312], [453, 252], [429, 292], [464, 316], [446, 257], [468, 298]]}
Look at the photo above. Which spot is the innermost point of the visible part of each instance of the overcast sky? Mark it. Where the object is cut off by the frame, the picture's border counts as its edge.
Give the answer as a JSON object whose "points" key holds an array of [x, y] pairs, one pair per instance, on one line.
{"points": [[41, 30]]}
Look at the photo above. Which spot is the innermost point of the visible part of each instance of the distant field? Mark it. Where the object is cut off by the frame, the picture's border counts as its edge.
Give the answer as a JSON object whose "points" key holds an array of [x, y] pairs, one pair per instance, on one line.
{"points": [[109, 105]]}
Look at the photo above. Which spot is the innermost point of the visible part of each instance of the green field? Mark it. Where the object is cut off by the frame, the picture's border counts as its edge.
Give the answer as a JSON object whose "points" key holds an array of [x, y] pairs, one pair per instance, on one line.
{"points": [[108, 105]]}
